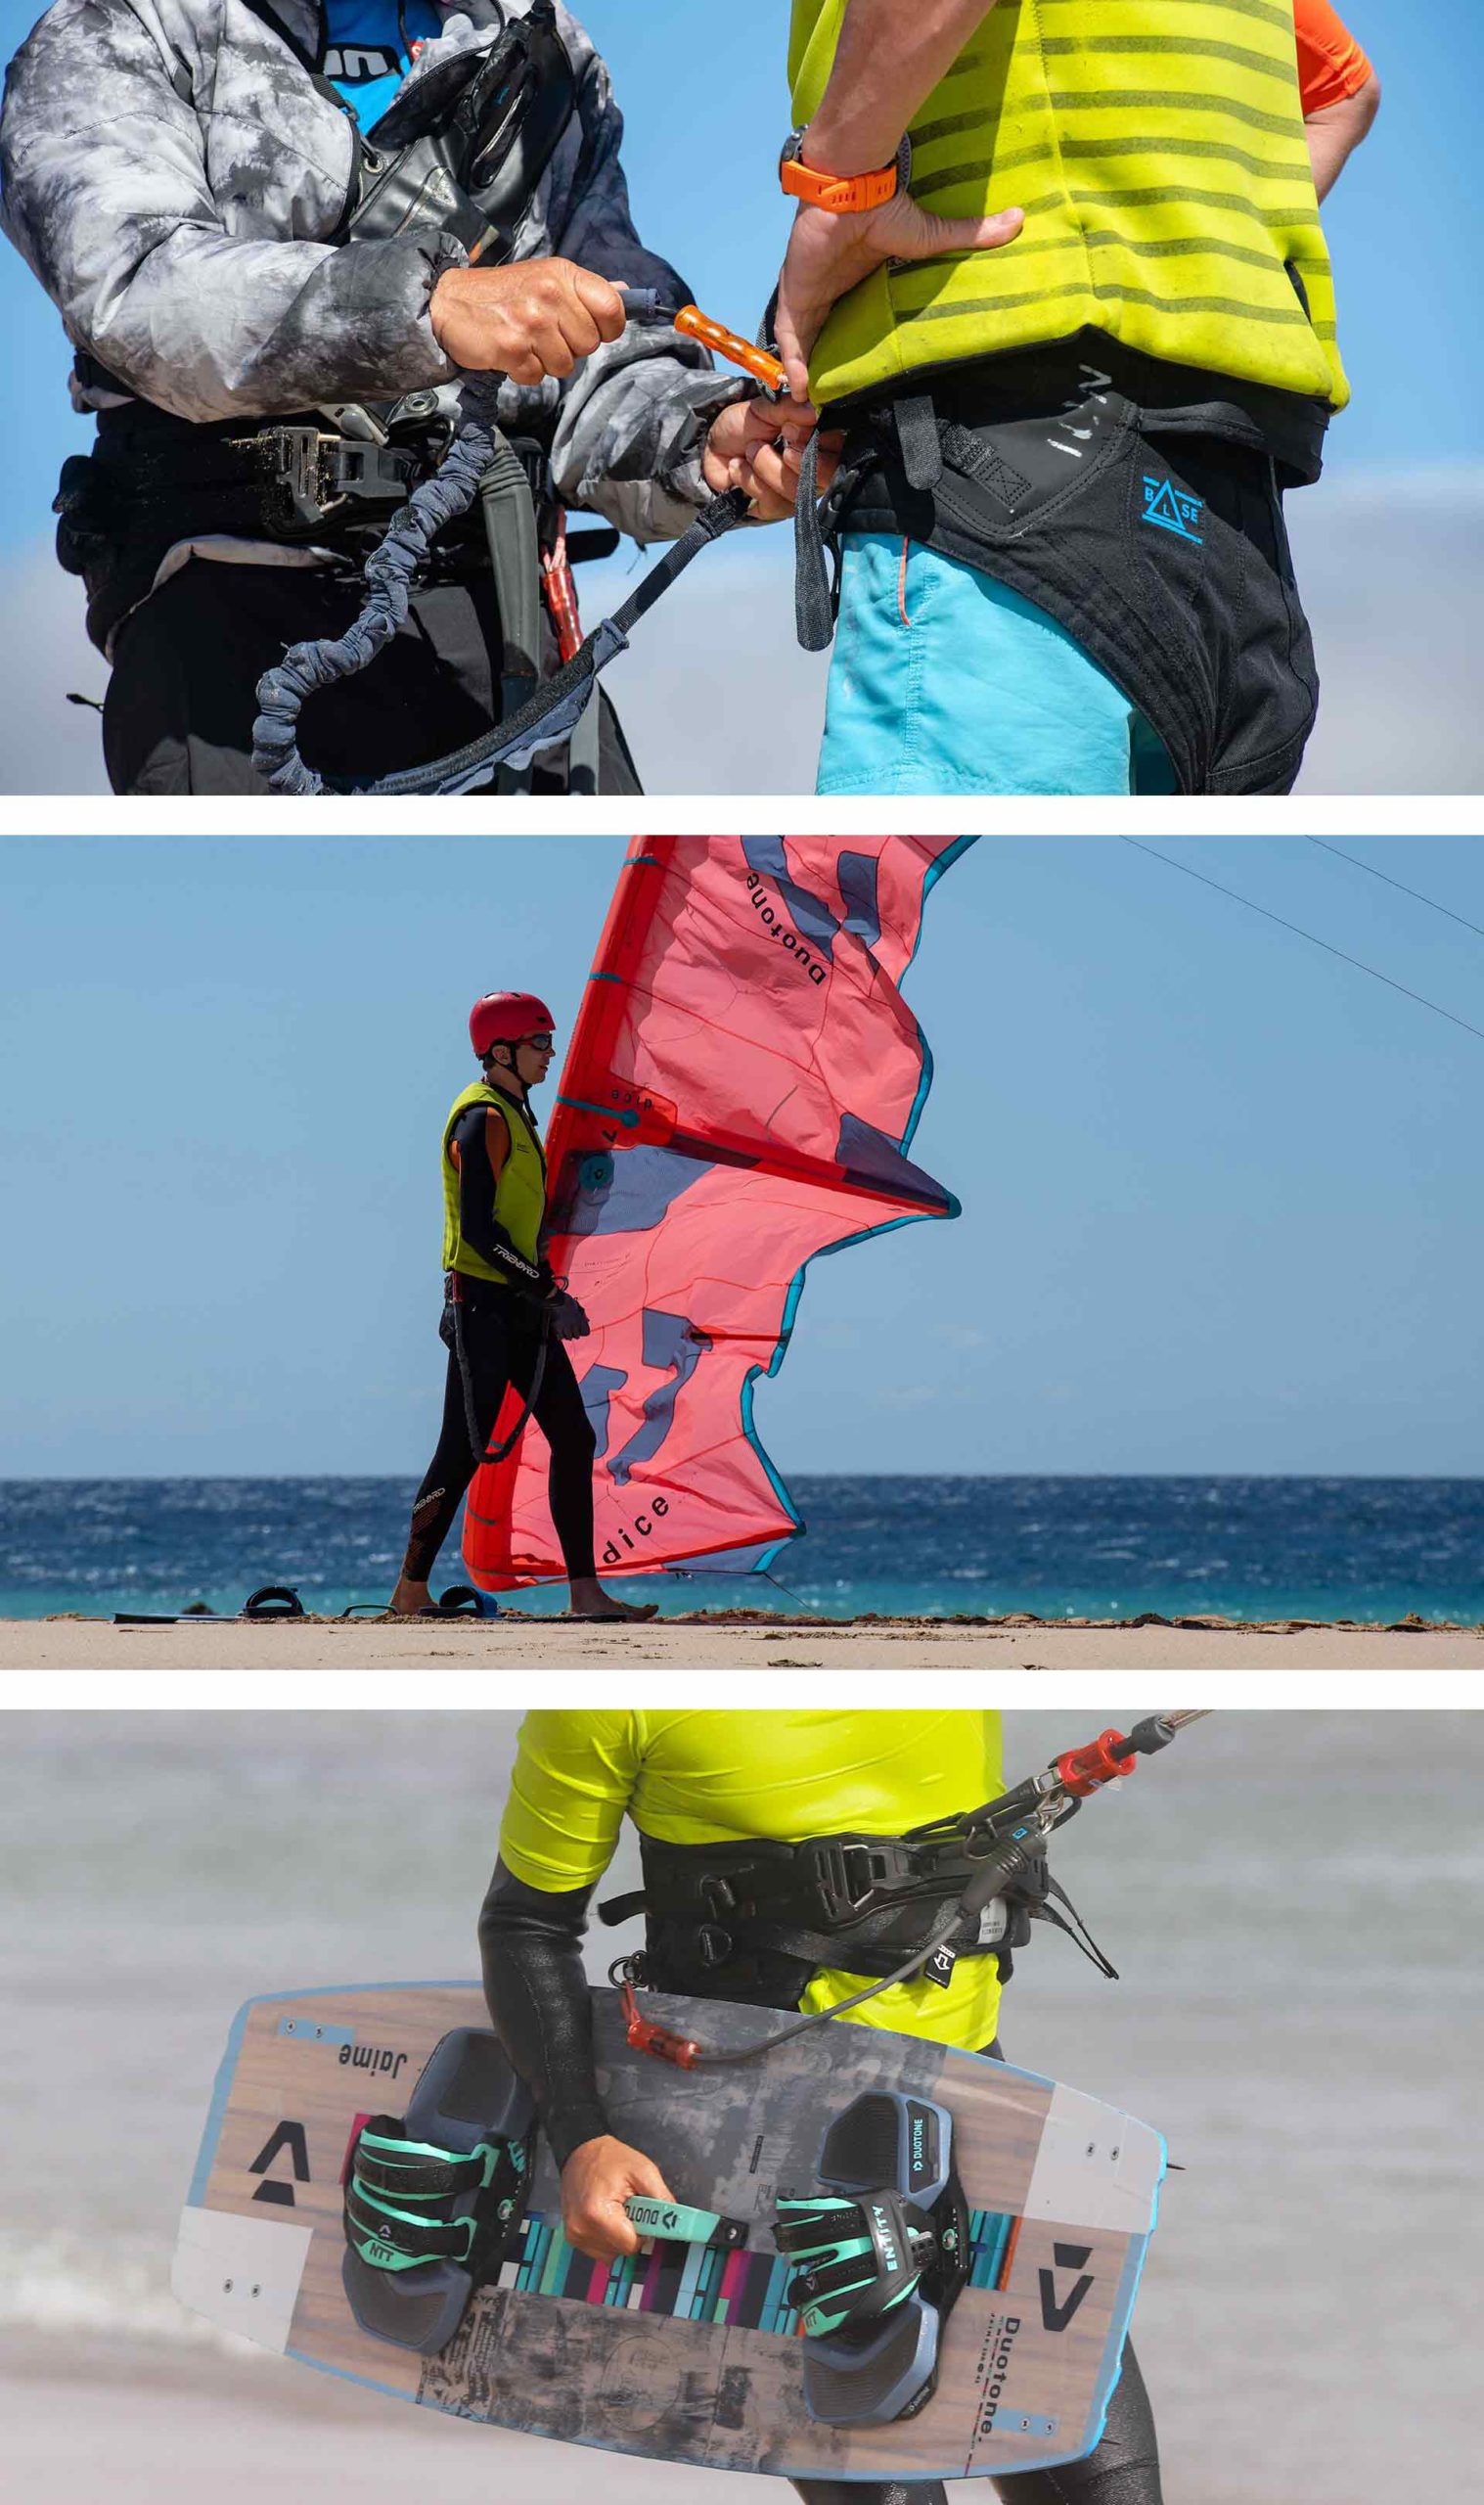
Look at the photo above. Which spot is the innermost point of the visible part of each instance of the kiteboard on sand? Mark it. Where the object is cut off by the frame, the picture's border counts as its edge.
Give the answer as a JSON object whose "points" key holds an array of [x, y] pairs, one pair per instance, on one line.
{"points": [[689, 2352]]}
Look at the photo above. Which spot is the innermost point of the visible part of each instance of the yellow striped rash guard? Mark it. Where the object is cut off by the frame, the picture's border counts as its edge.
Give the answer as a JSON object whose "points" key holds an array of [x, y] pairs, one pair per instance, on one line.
{"points": [[718, 1778], [1158, 148]]}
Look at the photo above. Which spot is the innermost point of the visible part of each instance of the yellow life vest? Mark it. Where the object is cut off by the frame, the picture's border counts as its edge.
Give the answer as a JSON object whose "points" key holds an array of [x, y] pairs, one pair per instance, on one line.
{"points": [[520, 1192], [1158, 148]]}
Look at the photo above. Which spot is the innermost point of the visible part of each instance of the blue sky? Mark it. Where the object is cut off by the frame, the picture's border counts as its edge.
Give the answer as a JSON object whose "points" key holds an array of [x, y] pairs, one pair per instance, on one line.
{"points": [[1388, 548], [1222, 1197]]}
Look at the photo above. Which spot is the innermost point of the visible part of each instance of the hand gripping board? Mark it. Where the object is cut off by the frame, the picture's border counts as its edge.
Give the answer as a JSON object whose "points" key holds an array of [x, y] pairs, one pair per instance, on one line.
{"points": [[682, 2354]]}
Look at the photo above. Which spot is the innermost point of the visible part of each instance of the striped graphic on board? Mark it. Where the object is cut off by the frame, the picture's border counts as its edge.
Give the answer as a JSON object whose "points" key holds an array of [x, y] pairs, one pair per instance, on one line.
{"points": [[745, 2291]]}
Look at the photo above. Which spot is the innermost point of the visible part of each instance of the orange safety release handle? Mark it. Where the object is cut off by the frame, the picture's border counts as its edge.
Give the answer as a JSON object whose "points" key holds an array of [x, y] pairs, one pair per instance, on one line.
{"points": [[759, 362]]}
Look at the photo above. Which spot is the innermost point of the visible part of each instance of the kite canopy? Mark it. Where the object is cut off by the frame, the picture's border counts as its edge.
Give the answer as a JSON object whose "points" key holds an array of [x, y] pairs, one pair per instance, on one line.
{"points": [[741, 1088]]}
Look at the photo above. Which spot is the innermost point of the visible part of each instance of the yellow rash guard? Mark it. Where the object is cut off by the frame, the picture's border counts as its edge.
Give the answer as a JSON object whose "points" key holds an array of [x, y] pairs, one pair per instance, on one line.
{"points": [[717, 1778]]}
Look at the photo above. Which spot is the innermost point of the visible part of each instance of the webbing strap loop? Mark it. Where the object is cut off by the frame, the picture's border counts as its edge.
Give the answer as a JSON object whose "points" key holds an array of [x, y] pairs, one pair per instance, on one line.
{"points": [[388, 2172], [918, 441], [373, 2222]]}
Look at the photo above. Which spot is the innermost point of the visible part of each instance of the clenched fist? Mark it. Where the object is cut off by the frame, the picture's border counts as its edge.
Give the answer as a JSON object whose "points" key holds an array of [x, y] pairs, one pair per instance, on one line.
{"points": [[527, 319], [596, 2181]]}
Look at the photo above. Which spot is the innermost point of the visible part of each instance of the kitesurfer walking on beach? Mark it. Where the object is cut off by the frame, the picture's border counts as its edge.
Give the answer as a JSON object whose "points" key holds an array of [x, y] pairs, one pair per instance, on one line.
{"points": [[271, 321], [505, 1318], [1059, 275], [700, 1788]]}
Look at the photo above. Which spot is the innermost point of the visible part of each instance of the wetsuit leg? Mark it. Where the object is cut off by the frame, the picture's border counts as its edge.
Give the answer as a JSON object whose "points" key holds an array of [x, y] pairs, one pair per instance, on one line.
{"points": [[488, 1359], [1123, 2466], [1123, 2469], [869, 2491], [569, 1430]]}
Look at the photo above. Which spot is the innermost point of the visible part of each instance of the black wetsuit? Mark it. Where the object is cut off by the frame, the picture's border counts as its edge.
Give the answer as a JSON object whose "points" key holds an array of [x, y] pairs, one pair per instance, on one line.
{"points": [[496, 1337], [530, 1945]]}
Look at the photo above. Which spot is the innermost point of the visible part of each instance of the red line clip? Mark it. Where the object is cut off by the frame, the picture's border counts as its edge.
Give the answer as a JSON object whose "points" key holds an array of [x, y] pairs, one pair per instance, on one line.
{"points": [[1085, 1770], [647, 2036]]}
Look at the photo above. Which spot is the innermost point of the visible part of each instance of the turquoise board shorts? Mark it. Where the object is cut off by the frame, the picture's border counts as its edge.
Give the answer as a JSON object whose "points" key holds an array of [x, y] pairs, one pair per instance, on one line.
{"points": [[975, 690]]}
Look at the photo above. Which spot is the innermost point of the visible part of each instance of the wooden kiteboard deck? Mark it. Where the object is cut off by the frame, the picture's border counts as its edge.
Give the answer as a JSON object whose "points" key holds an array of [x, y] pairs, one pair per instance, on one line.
{"points": [[681, 2354]]}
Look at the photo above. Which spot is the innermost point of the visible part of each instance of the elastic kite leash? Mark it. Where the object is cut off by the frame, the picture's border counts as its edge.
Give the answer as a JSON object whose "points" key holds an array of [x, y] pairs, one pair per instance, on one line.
{"points": [[392, 571]]}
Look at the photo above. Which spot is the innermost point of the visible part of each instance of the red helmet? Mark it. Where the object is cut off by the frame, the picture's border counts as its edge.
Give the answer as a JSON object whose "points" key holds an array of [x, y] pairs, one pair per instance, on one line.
{"points": [[507, 1018]]}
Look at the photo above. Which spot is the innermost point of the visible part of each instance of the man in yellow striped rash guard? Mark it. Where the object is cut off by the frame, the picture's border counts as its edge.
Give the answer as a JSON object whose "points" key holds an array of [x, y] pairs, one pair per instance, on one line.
{"points": [[724, 1794], [1058, 273]]}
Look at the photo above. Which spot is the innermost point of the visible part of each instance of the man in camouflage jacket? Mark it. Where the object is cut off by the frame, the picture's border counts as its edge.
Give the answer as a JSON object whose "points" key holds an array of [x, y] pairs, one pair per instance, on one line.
{"points": [[174, 171]]}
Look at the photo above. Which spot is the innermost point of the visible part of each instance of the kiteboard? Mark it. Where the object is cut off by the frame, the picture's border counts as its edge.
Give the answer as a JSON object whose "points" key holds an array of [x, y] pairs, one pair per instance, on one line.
{"points": [[687, 2351]]}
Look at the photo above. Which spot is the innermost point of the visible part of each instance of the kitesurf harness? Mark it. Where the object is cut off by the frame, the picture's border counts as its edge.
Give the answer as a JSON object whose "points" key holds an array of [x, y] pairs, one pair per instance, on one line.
{"points": [[534, 717], [552, 713], [880, 2253], [434, 2198], [856, 1902], [753, 1920]]}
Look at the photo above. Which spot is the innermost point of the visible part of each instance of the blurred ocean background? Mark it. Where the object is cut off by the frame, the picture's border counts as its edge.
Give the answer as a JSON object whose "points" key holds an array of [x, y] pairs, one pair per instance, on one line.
{"points": [[1366, 1549], [1293, 1901]]}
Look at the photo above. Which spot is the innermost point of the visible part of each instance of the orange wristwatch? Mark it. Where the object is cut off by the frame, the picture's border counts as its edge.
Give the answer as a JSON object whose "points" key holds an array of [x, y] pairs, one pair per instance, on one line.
{"points": [[839, 193]]}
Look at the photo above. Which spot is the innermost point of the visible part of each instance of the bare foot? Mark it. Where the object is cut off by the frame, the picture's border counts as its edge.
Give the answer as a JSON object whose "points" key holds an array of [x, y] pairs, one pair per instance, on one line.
{"points": [[409, 1599], [589, 1600]]}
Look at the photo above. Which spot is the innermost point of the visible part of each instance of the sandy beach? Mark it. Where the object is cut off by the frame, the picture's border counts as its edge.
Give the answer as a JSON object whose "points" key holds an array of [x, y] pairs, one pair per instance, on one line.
{"points": [[736, 1642]]}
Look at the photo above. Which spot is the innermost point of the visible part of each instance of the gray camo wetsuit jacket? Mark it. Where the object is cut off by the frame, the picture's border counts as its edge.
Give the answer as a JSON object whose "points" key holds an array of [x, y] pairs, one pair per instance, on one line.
{"points": [[173, 176]]}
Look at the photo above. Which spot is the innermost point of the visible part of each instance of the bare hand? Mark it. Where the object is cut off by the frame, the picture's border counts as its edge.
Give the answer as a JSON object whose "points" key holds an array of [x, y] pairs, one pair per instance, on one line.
{"points": [[828, 255], [527, 319], [596, 2181], [759, 445]]}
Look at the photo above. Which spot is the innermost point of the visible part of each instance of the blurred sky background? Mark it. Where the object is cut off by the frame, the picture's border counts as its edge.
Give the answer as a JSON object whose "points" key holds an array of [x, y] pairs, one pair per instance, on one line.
{"points": [[1222, 1196], [1389, 547]]}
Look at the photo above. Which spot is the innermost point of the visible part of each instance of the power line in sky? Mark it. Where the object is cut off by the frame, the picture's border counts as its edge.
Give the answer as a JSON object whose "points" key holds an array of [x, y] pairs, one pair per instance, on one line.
{"points": [[1312, 936], [1399, 884]]}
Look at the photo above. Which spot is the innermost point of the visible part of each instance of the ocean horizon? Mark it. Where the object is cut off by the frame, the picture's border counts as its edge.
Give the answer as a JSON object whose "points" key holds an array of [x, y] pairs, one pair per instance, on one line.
{"points": [[1250, 1548]]}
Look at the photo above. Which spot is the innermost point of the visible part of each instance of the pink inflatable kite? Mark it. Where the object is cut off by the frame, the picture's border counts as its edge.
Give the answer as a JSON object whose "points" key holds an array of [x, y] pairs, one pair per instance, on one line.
{"points": [[742, 1088]]}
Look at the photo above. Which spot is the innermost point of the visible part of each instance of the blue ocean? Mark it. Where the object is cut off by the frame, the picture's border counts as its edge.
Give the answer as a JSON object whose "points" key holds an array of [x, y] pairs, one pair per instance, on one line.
{"points": [[1364, 1549]]}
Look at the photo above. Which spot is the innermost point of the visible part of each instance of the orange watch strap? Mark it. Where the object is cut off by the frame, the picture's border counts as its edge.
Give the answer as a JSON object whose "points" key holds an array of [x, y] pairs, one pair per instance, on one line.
{"points": [[838, 191]]}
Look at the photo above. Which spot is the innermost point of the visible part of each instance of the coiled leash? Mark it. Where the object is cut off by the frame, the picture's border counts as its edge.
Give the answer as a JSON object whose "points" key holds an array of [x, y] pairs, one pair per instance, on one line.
{"points": [[549, 716]]}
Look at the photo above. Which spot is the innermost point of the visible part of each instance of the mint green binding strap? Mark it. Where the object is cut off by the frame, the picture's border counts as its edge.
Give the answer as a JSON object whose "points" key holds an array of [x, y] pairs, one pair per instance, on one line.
{"points": [[400, 2184], [372, 2247], [843, 2267], [674, 2221], [415, 2157]]}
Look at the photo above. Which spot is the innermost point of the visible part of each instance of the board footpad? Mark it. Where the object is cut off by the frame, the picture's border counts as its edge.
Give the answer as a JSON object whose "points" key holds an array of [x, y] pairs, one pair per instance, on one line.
{"points": [[465, 2098], [874, 2379], [877, 2371]]}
